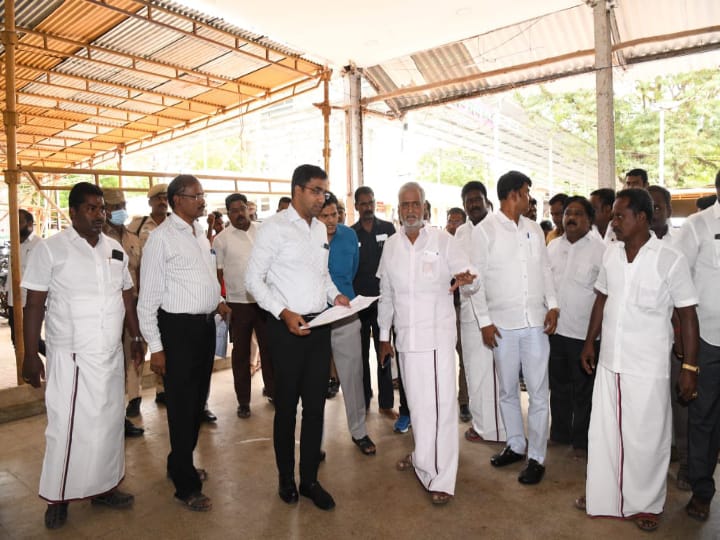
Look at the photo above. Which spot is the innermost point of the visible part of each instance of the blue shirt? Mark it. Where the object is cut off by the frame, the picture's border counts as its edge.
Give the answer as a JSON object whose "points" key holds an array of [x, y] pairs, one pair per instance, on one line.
{"points": [[344, 259]]}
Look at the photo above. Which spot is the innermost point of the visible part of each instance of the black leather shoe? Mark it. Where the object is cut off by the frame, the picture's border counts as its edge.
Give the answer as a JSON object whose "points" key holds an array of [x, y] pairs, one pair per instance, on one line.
{"points": [[288, 490], [532, 473], [318, 495], [133, 408], [160, 398], [132, 430], [506, 457], [56, 515], [208, 416], [243, 411]]}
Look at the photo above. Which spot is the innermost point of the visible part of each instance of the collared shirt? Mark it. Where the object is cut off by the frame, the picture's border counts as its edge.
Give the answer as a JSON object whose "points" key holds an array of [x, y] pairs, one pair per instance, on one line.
{"points": [[142, 227], [85, 309], [131, 245], [371, 249], [463, 237], [232, 251], [177, 274], [637, 332], [517, 285], [575, 268], [25, 248], [344, 258], [288, 266], [699, 240], [415, 294]]}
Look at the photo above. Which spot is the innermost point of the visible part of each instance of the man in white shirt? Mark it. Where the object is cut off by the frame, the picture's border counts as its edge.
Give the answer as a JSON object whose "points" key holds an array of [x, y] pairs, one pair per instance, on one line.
{"points": [[415, 271], [602, 200], [179, 294], [516, 309], [480, 371], [640, 281], [288, 277], [232, 250], [28, 241], [699, 240], [575, 259], [82, 277]]}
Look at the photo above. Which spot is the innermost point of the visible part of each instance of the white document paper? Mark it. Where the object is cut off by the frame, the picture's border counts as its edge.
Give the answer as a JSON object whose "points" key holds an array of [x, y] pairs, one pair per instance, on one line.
{"points": [[337, 313]]}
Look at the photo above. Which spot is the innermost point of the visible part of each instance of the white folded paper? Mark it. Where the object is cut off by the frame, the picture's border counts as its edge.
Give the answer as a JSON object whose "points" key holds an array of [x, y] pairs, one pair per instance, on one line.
{"points": [[337, 313]]}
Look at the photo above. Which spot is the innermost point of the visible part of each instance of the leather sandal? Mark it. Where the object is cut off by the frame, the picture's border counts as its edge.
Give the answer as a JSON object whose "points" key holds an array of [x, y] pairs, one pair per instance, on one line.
{"points": [[647, 522], [581, 503], [365, 445], [697, 509], [440, 497], [405, 464], [197, 502]]}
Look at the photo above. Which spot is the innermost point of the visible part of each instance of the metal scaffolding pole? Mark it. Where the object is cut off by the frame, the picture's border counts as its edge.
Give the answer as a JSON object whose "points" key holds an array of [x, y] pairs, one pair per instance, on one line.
{"points": [[604, 94], [12, 176]]}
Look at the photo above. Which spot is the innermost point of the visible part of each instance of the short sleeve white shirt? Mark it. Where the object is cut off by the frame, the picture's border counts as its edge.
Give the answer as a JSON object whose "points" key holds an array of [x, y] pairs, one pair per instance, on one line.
{"points": [[232, 253], [85, 308]]}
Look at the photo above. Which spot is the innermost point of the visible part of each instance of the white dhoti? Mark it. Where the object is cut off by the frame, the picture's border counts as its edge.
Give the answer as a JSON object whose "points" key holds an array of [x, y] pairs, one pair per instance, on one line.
{"points": [[85, 448], [429, 379], [482, 382], [628, 445]]}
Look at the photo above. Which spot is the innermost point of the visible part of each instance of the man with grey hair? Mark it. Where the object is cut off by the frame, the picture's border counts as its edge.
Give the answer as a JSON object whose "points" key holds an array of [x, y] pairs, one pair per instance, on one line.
{"points": [[416, 268]]}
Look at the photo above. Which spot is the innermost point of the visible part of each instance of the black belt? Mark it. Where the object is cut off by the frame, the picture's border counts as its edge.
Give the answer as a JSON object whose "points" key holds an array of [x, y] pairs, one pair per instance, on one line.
{"points": [[188, 316], [310, 316]]}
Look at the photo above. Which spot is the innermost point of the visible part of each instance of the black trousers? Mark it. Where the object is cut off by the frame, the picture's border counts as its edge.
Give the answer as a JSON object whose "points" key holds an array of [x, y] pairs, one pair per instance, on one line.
{"points": [[570, 392], [704, 424], [189, 345], [301, 368], [386, 397]]}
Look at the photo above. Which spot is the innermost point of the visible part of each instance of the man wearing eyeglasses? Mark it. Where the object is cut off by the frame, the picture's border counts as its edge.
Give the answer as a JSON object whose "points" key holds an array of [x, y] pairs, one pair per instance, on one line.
{"points": [[288, 276], [179, 295]]}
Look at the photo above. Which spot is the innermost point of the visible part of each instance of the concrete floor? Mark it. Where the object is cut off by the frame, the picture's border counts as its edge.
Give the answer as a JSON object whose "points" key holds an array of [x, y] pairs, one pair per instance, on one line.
{"points": [[373, 499]]}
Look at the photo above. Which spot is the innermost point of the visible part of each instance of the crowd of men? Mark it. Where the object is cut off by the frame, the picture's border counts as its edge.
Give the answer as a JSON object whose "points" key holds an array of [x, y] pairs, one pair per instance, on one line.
{"points": [[611, 322]]}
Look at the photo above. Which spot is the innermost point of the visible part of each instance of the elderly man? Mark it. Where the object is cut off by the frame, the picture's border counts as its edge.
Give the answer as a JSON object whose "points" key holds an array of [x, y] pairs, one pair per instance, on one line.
{"points": [[82, 277], [114, 227], [415, 272], [575, 259], [516, 310], [641, 280], [179, 295], [288, 276]]}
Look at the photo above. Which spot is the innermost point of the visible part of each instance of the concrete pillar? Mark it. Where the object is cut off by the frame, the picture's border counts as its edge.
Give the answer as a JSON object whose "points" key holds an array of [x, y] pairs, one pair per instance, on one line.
{"points": [[354, 133], [602, 10]]}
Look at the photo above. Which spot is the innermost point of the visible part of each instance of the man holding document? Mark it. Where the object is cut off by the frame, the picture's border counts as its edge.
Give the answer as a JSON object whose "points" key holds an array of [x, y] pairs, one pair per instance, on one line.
{"points": [[288, 276]]}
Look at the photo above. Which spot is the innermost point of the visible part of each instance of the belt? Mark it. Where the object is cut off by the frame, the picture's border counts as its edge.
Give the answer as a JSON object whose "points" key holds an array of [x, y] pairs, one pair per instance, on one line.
{"points": [[310, 316], [188, 316]]}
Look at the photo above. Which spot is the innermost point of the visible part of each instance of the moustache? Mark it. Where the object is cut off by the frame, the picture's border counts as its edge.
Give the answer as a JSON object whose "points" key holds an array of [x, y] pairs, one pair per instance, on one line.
{"points": [[570, 222]]}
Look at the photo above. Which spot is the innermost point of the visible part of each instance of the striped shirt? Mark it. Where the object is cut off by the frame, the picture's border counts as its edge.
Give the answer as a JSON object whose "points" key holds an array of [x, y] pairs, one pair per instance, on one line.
{"points": [[177, 274]]}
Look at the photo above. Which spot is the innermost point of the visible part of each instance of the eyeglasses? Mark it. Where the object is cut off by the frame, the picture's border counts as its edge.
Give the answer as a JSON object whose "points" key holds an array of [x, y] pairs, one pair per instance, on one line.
{"points": [[317, 192], [197, 196]]}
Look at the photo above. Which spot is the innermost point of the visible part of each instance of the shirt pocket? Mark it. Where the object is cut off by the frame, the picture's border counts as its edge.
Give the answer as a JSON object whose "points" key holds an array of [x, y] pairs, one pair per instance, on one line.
{"points": [[648, 298], [116, 274], [586, 275], [429, 264], [536, 245]]}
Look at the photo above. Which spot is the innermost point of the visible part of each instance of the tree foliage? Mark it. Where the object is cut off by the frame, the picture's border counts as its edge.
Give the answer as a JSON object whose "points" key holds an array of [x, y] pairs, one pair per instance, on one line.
{"points": [[690, 102], [452, 166]]}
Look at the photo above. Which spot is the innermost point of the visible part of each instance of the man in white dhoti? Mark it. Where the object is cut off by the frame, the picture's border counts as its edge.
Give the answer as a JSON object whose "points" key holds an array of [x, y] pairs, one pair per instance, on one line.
{"points": [[641, 280], [82, 275], [483, 387], [415, 271]]}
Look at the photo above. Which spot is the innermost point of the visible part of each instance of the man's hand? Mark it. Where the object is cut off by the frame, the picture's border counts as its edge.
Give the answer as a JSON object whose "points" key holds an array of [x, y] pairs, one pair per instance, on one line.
{"points": [[386, 350], [488, 335], [137, 351], [157, 363], [463, 278], [687, 385], [341, 300], [587, 358], [223, 309], [294, 321], [33, 370], [551, 318]]}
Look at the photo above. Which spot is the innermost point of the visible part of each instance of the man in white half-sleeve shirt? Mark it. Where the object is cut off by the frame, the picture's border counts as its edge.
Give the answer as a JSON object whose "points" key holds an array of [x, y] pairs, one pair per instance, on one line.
{"points": [[480, 371], [640, 281], [82, 277], [575, 259], [699, 240], [415, 271], [232, 249], [179, 294], [516, 309], [288, 276]]}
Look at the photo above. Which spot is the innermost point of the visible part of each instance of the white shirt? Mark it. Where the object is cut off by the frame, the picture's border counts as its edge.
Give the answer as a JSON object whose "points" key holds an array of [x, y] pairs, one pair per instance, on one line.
{"points": [[288, 266], [575, 268], [415, 294], [177, 274], [699, 240], [25, 248], [463, 237], [232, 252], [85, 309], [637, 333], [517, 285]]}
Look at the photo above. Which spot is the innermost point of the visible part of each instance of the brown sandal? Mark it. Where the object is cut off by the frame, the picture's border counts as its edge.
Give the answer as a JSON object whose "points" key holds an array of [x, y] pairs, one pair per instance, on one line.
{"points": [[697, 509], [581, 503], [197, 502], [647, 522], [405, 464], [440, 497]]}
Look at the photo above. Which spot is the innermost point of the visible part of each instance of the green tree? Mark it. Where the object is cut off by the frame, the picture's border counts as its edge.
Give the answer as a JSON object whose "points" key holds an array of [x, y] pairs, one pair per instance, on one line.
{"points": [[452, 166]]}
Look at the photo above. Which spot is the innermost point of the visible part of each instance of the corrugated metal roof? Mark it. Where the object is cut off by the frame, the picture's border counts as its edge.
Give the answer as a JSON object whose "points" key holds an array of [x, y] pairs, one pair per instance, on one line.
{"points": [[132, 70], [548, 47]]}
